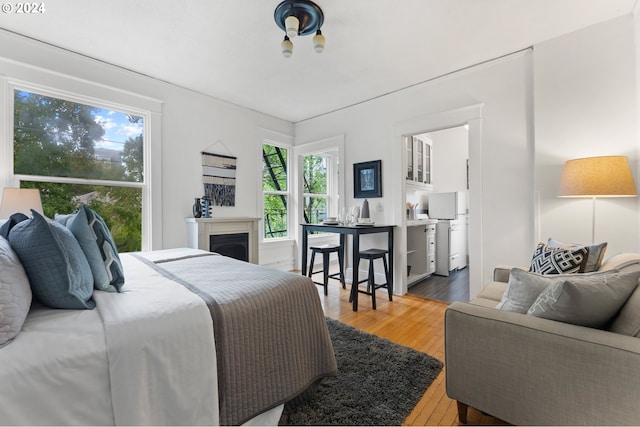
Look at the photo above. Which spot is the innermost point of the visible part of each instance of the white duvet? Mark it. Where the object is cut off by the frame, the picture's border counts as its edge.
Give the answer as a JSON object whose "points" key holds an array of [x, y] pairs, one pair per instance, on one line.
{"points": [[143, 356]]}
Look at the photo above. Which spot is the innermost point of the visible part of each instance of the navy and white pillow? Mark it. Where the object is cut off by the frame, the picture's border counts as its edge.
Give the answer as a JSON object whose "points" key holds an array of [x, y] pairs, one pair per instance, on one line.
{"points": [[550, 260], [98, 245]]}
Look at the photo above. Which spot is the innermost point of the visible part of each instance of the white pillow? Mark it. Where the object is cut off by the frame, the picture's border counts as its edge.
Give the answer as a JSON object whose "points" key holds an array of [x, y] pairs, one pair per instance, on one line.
{"points": [[15, 293]]}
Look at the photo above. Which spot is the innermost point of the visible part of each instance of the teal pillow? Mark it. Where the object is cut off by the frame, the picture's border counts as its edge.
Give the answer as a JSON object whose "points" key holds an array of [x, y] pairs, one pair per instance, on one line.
{"points": [[98, 246], [57, 269]]}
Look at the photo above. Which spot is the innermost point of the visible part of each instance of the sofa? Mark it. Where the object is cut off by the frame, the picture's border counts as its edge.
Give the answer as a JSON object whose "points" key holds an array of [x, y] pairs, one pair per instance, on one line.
{"points": [[528, 370]]}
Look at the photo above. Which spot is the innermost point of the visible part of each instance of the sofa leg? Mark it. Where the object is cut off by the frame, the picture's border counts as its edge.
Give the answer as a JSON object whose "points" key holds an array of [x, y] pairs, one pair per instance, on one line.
{"points": [[462, 412]]}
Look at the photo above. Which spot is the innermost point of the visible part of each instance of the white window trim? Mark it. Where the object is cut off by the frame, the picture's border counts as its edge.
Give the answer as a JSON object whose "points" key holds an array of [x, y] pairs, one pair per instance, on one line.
{"points": [[269, 137], [99, 96]]}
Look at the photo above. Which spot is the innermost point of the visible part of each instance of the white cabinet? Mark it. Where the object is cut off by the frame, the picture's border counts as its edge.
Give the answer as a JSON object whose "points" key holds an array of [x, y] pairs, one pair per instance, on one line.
{"points": [[419, 162], [421, 250], [451, 253]]}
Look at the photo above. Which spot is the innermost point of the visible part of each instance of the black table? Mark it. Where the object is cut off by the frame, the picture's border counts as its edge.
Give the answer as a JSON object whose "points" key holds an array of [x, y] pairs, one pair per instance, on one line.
{"points": [[355, 231]]}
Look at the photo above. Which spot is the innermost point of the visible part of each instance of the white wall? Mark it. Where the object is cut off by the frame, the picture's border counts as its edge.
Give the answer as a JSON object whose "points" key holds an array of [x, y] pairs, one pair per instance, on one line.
{"points": [[502, 219], [191, 123], [586, 105]]}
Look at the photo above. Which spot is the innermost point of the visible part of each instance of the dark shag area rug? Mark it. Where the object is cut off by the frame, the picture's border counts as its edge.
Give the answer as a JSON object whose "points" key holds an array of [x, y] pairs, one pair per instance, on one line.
{"points": [[378, 383]]}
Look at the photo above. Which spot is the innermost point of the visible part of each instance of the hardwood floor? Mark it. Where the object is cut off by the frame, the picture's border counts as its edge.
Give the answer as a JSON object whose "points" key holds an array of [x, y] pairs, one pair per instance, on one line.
{"points": [[411, 321], [454, 287]]}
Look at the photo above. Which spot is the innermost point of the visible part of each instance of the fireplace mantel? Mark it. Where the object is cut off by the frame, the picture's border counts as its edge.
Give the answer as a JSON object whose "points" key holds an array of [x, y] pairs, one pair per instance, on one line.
{"points": [[199, 230]]}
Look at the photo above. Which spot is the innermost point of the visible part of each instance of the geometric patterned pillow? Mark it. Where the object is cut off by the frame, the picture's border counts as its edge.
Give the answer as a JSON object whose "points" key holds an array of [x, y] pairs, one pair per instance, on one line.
{"points": [[550, 260], [98, 246]]}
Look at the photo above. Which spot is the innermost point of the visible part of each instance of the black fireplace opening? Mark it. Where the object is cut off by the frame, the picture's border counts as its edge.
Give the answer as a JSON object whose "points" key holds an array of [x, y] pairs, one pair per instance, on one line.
{"points": [[231, 245]]}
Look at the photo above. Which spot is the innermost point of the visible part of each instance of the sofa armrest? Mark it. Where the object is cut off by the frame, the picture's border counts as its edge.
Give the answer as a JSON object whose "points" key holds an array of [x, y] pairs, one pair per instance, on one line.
{"points": [[501, 273], [531, 371]]}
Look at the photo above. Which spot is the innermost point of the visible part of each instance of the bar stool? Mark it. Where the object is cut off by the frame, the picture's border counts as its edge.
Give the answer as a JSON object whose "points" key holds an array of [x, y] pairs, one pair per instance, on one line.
{"points": [[372, 255], [327, 250]]}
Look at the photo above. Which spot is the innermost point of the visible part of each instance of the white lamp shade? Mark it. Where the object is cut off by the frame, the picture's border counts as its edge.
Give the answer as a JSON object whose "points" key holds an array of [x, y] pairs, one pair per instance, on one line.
{"points": [[291, 24], [606, 176], [318, 42], [287, 47], [19, 200]]}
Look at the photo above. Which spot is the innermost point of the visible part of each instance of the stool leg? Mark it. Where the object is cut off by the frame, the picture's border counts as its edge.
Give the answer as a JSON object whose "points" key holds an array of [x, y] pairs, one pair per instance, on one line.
{"points": [[313, 258], [325, 272], [372, 284], [387, 273], [341, 262]]}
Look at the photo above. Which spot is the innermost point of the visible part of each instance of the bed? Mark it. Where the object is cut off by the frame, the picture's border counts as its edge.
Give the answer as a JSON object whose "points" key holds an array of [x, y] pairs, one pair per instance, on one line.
{"points": [[193, 338]]}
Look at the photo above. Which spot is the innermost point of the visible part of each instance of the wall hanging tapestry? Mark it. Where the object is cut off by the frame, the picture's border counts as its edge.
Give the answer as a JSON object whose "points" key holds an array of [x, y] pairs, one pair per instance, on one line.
{"points": [[219, 178]]}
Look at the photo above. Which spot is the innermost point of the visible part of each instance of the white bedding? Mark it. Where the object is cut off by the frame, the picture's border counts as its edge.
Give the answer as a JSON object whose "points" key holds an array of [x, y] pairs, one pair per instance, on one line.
{"points": [[143, 356]]}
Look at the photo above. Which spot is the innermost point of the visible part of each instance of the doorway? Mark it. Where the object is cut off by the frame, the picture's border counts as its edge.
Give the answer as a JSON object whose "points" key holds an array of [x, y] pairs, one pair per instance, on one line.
{"points": [[447, 250]]}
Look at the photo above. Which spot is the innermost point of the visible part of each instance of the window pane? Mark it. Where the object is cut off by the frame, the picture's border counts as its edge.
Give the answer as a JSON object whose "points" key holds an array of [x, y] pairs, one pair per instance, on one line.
{"points": [[56, 137], [315, 174], [274, 170], [275, 216], [315, 209], [120, 207]]}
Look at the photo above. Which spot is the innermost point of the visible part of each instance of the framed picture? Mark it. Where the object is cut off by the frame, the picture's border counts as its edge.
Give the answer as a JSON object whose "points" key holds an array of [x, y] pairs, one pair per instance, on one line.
{"points": [[367, 179]]}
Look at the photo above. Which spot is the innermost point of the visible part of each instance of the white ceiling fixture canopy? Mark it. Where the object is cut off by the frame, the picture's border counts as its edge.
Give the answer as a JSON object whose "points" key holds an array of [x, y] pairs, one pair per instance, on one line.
{"points": [[299, 18]]}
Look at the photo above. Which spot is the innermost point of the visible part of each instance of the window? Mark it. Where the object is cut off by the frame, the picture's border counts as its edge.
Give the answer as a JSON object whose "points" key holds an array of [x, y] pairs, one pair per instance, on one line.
{"points": [[275, 189], [316, 189], [77, 153]]}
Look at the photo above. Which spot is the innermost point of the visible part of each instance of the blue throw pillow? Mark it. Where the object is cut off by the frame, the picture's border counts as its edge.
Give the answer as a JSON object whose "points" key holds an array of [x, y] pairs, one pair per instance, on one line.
{"points": [[98, 246], [58, 271]]}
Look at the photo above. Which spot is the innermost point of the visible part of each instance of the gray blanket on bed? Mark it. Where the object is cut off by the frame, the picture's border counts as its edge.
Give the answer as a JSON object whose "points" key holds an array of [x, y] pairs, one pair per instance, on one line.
{"points": [[272, 340]]}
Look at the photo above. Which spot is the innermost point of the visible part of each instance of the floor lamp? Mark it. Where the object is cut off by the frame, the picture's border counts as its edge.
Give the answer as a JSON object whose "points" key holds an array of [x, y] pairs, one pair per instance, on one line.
{"points": [[595, 177]]}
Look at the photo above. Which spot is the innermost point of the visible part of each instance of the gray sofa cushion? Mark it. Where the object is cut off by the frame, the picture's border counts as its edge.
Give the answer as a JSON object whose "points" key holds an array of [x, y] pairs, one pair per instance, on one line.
{"points": [[524, 287], [628, 320], [587, 301]]}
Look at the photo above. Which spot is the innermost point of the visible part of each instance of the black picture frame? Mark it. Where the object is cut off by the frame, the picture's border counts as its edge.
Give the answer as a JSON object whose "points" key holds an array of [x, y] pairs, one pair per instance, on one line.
{"points": [[367, 179]]}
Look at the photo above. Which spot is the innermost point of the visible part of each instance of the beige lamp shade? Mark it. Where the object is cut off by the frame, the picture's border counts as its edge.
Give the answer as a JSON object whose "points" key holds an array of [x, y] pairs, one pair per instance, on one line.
{"points": [[19, 200], [606, 176]]}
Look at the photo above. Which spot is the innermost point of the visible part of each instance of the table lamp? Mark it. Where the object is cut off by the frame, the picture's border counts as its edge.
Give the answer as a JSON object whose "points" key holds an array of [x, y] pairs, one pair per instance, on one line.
{"points": [[19, 200], [595, 177]]}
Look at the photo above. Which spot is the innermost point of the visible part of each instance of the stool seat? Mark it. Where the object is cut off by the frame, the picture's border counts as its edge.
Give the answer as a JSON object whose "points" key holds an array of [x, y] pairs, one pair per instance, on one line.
{"points": [[327, 250], [371, 255]]}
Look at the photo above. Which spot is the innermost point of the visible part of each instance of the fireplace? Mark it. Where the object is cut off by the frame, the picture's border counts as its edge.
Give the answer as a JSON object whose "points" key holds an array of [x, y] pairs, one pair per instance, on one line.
{"points": [[211, 234], [232, 245]]}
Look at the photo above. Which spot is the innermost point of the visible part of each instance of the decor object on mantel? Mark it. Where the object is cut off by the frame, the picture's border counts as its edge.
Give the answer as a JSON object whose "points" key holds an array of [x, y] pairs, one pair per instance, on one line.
{"points": [[593, 177], [299, 18], [197, 208], [219, 179]]}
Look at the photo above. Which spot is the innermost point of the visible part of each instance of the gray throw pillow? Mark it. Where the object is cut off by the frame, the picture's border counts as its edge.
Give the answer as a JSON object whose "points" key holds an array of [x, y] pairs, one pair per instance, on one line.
{"points": [[524, 287], [58, 271], [627, 322], [596, 252], [550, 260], [15, 293], [592, 302]]}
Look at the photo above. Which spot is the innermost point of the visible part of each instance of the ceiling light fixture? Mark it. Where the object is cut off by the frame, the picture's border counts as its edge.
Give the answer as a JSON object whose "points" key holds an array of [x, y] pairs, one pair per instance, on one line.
{"points": [[299, 18]]}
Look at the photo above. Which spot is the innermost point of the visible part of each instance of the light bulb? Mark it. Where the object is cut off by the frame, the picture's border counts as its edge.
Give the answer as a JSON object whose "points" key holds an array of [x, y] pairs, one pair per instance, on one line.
{"points": [[318, 42], [287, 47], [291, 24]]}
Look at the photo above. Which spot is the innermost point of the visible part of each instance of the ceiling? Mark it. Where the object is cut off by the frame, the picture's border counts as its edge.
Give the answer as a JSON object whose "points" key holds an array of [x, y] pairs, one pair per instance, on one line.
{"points": [[230, 49]]}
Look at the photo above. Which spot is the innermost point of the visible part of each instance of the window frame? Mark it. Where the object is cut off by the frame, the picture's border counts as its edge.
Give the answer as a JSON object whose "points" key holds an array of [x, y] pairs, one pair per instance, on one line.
{"points": [[287, 193], [331, 194], [13, 180]]}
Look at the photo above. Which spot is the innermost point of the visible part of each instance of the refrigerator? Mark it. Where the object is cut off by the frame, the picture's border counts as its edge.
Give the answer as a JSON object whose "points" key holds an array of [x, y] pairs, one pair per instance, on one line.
{"points": [[447, 205], [450, 209]]}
